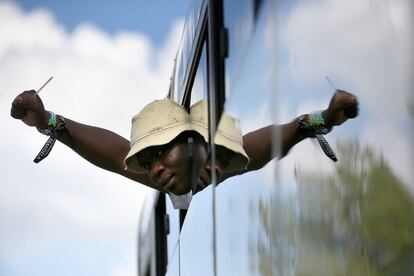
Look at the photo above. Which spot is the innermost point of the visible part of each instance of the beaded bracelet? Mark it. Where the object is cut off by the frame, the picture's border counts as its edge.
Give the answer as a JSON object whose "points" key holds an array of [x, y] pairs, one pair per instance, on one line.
{"points": [[51, 124], [313, 126], [53, 134]]}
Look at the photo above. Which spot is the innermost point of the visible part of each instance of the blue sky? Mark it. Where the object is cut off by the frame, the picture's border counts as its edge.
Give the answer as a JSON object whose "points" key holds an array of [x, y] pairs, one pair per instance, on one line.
{"points": [[154, 18]]}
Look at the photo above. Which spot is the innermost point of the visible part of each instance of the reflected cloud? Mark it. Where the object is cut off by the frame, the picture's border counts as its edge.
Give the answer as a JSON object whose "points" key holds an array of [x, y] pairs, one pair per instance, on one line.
{"points": [[361, 45], [354, 218]]}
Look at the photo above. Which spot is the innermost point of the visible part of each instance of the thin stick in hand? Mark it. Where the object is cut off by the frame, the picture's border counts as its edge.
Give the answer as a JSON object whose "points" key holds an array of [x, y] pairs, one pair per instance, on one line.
{"points": [[38, 90], [332, 85]]}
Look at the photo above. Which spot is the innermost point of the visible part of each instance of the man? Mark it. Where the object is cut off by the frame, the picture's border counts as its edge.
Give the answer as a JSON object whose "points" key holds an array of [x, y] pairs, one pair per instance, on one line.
{"points": [[170, 146], [258, 145], [108, 150], [165, 146]]}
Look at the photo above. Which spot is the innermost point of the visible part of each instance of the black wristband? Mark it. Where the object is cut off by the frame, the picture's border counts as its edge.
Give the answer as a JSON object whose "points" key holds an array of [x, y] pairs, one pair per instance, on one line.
{"points": [[51, 125], [53, 135]]}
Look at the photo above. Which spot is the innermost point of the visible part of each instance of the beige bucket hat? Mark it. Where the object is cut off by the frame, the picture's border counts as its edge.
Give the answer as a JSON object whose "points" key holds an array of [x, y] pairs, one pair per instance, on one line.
{"points": [[228, 135], [156, 124]]}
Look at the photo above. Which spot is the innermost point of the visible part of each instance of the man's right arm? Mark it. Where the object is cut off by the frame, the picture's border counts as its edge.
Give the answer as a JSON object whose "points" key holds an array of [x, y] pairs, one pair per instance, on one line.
{"points": [[99, 146]]}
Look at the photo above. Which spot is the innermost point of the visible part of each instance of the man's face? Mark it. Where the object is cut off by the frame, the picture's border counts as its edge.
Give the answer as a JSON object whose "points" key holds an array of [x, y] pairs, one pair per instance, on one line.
{"points": [[171, 167]]}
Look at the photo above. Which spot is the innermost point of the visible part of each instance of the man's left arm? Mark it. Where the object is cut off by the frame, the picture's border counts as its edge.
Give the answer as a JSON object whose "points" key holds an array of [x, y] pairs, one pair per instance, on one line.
{"points": [[258, 144]]}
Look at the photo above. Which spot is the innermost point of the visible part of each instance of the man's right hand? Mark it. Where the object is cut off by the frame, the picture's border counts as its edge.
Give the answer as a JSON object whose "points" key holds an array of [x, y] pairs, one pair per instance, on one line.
{"points": [[29, 108]]}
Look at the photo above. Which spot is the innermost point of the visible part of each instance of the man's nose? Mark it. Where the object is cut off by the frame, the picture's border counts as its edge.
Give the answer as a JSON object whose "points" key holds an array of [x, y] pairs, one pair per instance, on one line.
{"points": [[157, 169]]}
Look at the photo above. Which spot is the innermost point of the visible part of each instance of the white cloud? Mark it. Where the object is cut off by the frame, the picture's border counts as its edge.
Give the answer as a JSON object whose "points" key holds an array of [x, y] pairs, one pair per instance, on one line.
{"points": [[44, 33], [368, 46], [99, 79]]}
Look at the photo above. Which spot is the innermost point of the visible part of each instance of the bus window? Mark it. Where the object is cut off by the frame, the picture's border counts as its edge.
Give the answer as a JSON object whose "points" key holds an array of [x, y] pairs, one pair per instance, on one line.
{"points": [[186, 50], [306, 214], [195, 239], [250, 102], [348, 217], [239, 18], [199, 89]]}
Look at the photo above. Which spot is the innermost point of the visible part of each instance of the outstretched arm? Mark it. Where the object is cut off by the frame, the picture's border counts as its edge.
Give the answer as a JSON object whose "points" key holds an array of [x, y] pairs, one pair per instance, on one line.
{"points": [[99, 146], [258, 144]]}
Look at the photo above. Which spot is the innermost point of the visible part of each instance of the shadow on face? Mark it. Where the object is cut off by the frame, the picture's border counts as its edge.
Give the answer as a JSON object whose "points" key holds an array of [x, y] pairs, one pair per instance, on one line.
{"points": [[173, 167], [223, 157]]}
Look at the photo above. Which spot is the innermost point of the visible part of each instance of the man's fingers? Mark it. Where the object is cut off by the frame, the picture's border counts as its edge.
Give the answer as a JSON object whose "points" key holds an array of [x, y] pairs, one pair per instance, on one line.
{"points": [[348, 102], [351, 106], [17, 111], [27, 98], [21, 103], [351, 112]]}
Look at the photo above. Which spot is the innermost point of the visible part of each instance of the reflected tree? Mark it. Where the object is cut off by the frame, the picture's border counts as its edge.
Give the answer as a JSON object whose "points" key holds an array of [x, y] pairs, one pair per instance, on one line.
{"points": [[356, 220]]}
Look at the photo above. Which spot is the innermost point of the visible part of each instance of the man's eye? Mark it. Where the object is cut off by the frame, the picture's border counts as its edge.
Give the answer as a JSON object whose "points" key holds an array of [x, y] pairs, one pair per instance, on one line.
{"points": [[146, 165], [159, 153]]}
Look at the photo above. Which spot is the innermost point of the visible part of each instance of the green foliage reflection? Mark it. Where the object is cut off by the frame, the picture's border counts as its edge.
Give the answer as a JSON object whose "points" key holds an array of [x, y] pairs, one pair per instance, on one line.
{"points": [[356, 220]]}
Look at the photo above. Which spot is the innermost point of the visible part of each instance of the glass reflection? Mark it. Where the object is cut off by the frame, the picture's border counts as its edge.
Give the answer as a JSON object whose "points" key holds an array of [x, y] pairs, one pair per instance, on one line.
{"points": [[185, 49], [361, 214], [317, 217], [199, 88], [356, 216], [307, 215], [249, 89], [239, 18]]}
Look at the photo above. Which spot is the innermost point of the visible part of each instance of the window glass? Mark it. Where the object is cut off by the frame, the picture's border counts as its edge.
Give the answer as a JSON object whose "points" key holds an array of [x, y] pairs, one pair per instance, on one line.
{"points": [[306, 214], [173, 235], [185, 49], [347, 217], [196, 252], [239, 20], [242, 199], [199, 89]]}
